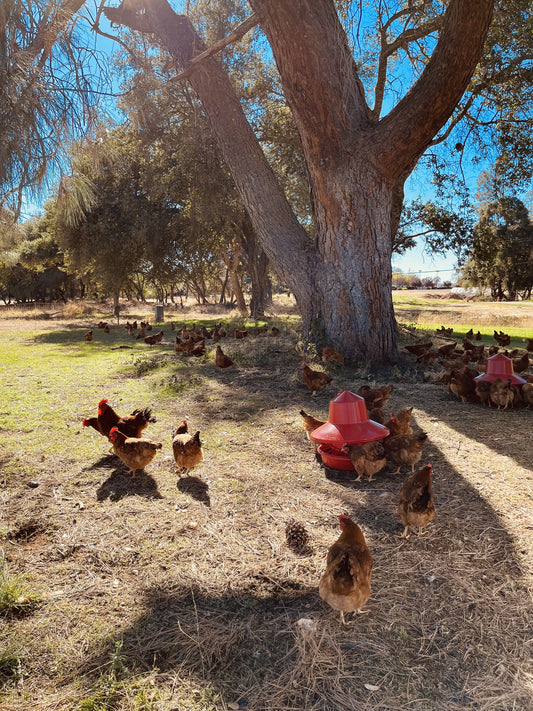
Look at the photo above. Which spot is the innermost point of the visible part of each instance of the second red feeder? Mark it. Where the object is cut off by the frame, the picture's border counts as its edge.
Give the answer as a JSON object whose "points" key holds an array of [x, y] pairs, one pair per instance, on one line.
{"points": [[499, 367], [347, 423]]}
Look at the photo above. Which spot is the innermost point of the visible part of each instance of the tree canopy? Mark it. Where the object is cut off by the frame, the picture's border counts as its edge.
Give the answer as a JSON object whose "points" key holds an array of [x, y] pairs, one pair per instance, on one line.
{"points": [[125, 221], [356, 159], [502, 250]]}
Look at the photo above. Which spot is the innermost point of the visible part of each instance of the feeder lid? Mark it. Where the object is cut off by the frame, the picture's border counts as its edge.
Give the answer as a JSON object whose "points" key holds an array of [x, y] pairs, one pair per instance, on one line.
{"points": [[499, 367], [348, 423]]}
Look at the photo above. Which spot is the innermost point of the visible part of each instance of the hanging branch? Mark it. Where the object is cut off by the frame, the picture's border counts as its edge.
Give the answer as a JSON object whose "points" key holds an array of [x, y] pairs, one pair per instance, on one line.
{"points": [[141, 22], [234, 36]]}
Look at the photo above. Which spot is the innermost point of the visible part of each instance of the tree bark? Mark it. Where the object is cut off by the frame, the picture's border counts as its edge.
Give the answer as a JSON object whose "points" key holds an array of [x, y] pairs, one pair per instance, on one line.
{"points": [[257, 264], [116, 304], [356, 162], [231, 260], [261, 292], [222, 299]]}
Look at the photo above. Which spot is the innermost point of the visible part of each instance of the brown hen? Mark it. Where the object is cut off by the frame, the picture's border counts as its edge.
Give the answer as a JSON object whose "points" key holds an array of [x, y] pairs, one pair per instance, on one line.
{"points": [[522, 363], [156, 338], [222, 360], [187, 451], [404, 450], [416, 507], [310, 423], [330, 355], [367, 459], [345, 585], [131, 425], [375, 397], [501, 393], [315, 380], [398, 423], [135, 452]]}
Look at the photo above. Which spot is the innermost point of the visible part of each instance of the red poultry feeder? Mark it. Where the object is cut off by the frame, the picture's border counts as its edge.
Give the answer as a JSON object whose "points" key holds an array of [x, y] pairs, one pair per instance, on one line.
{"points": [[348, 423], [499, 367]]}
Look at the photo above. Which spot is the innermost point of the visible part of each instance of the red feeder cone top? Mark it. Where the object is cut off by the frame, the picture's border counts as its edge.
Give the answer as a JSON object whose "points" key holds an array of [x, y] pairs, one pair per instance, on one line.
{"points": [[348, 423], [499, 367]]}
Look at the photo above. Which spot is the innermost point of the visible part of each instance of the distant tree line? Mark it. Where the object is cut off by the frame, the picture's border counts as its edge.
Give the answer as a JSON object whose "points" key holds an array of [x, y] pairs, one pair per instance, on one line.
{"points": [[412, 281]]}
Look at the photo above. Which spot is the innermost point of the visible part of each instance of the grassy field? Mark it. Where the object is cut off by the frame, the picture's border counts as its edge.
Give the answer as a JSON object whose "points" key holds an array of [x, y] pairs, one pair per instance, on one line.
{"points": [[432, 309], [162, 593]]}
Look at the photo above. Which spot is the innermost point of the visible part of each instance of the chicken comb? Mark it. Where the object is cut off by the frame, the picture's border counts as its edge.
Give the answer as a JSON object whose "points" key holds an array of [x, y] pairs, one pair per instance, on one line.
{"points": [[102, 402], [84, 422], [343, 518]]}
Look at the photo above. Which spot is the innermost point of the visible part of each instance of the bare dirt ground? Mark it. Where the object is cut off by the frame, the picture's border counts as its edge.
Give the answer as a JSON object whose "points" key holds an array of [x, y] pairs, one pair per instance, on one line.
{"points": [[164, 593]]}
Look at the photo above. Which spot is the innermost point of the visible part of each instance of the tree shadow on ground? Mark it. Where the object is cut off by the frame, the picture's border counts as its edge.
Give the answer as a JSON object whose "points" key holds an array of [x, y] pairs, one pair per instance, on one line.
{"points": [[382, 493], [506, 432], [75, 335], [448, 623], [210, 636]]}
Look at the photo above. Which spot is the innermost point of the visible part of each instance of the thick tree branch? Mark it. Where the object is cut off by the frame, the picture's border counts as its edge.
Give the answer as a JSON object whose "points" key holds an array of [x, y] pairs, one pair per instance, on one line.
{"points": [[318, 73], [454, 121], [258, 186], [129, 18], [489, 81], [409, 128]]}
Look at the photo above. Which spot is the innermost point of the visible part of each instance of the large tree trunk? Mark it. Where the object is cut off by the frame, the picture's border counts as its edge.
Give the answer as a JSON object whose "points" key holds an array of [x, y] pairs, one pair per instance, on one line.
{"points": [[356, 162], [353, 281]]}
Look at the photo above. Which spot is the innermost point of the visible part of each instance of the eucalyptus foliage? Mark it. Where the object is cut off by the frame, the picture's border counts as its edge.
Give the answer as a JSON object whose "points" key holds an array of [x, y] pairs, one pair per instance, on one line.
{"points": [[49, 79]]}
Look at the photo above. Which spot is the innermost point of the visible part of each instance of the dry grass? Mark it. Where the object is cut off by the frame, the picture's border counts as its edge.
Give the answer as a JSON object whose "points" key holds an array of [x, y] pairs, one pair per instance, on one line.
{"points": [[162, 593], [435, 307]]}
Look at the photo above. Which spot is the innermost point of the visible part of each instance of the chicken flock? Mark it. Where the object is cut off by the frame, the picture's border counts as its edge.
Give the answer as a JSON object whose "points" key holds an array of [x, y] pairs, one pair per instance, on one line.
{"points": [[346, 583], [125, 433], [134, 450], [462, 363]]}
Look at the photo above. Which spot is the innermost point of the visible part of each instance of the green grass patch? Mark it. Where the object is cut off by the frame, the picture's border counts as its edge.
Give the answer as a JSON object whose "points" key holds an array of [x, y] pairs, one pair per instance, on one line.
{"points": [[428, 330], [16, 598], [10, 667], [118, 688]]}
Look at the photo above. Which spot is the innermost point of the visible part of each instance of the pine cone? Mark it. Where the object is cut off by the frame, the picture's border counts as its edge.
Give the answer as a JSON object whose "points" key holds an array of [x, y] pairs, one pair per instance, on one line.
{"points": [[296, 535]]}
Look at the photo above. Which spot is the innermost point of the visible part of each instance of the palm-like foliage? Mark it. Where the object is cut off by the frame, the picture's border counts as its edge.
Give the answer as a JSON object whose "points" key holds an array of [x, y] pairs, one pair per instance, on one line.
{"points": [[45, 90]]}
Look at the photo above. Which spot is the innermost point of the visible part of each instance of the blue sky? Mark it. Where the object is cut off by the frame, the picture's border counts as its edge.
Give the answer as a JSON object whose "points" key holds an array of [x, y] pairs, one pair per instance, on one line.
{"points": [[423, 264]]}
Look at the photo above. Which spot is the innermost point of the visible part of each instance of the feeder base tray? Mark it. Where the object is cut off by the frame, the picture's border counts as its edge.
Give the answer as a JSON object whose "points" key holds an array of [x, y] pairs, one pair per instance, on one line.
{"points": [[334, 459]]}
